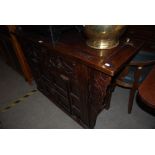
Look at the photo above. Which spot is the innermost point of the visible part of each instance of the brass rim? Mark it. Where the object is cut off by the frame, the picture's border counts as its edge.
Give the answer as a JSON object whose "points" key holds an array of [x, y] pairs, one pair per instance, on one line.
{"points": [[98, 45]]}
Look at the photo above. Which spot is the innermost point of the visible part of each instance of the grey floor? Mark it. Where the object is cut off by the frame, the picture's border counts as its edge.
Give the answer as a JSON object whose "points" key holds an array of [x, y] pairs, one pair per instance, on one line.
{"points": [[37, 112]]}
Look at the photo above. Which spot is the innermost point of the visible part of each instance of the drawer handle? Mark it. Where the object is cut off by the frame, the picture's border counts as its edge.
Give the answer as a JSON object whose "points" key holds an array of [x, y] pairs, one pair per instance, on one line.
{"points": [[40, 41], [64, 77]]}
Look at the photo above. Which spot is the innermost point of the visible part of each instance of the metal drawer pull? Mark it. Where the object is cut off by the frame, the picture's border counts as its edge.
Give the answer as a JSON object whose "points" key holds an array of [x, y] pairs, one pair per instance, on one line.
{"points": [[40, 41], [64, 77]]}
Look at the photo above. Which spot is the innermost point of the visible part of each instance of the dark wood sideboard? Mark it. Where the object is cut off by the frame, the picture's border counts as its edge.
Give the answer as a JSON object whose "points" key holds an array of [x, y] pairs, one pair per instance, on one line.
{"points": [[75, 77]]}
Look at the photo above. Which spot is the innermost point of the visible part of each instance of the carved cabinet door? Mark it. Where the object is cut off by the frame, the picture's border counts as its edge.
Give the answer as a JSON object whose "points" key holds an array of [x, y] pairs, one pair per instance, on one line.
{"points": [[68, 78]]}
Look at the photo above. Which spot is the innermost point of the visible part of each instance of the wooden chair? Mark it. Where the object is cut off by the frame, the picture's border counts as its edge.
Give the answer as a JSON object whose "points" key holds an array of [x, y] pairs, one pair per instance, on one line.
{"points": [[132, 76]]}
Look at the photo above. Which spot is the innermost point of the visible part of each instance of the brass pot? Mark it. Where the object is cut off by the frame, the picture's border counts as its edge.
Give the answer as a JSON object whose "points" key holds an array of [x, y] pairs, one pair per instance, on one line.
{"points": [[103, 36]]}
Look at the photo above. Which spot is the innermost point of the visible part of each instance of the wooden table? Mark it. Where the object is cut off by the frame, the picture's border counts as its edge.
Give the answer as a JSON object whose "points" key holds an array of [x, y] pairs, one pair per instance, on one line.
{"points": [[77, 78], [147, 90]]}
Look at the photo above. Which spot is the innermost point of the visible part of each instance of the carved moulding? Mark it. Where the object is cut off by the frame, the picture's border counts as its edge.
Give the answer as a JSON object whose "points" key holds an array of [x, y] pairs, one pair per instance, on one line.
{"points": [[99, 85]]}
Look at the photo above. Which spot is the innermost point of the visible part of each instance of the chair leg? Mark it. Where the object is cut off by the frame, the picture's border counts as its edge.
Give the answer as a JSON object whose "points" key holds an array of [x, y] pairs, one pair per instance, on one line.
{"points": [[131, 98]]}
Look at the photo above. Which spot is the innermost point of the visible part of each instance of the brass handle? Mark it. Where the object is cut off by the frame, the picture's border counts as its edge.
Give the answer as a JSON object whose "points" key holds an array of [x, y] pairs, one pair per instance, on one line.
{"points": [[40, 41], [64, 77]]}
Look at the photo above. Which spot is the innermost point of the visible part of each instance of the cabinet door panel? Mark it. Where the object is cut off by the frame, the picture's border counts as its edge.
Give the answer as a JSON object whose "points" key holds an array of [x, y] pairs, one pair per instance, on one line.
{"points": [[61, 82], [62, 101], [61, 79], [75, 100], [74, 87], [76, 112], [49, 90]]}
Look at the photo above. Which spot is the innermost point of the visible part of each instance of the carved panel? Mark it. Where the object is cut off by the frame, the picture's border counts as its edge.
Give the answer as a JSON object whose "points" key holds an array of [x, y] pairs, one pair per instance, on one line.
{"points": [[98, 89], [98, 85], [58, 62]]}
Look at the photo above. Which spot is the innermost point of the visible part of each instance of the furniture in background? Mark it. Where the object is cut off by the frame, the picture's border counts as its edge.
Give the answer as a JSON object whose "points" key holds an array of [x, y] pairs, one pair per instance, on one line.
{"points": [[146, 91], [11, 52], [7, 52], [19, 54], [132, 76], [75, 77], [137, 70]]}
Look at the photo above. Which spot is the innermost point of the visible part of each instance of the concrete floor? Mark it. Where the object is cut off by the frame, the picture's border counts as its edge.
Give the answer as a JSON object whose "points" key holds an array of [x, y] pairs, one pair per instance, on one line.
{"points": [[38, 112]]}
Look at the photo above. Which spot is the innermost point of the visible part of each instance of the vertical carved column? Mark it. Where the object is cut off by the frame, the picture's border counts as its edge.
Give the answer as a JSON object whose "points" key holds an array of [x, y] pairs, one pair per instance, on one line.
{"points": [[99, 84], [82, 78]]}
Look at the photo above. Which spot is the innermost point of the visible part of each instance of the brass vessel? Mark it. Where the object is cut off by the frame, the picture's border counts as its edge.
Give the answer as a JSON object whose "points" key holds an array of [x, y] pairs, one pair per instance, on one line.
{"points": [[103, 36]]}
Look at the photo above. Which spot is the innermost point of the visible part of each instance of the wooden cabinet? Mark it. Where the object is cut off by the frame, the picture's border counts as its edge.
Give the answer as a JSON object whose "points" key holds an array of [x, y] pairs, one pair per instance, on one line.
{"points": [[59, 78], [74, 76]]}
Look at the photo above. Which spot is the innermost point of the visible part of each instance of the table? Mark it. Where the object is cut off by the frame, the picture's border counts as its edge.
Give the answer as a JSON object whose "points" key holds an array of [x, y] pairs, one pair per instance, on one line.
{"points": [[147, 90]]}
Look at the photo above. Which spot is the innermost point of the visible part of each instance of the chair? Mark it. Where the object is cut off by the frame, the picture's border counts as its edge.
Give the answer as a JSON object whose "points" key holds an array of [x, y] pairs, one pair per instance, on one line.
{"points": [[133, 75]]}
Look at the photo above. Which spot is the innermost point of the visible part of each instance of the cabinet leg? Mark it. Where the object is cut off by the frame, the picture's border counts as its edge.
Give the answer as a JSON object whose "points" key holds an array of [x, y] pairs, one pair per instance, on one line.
{"points": [[108, 97], [108, 100], [93, 117]]}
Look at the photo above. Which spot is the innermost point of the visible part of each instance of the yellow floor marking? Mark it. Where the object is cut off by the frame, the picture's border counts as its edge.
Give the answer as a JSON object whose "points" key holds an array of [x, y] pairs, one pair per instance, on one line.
{"points": [[17, 101]]}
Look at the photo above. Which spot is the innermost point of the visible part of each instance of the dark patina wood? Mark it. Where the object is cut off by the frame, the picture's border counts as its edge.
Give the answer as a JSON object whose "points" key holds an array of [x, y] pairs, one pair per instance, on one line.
{"points": [[77, 78], [147, 90]]}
